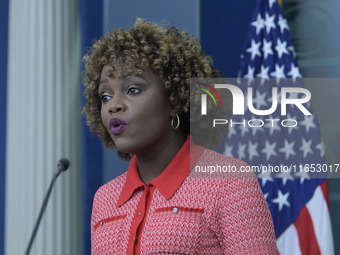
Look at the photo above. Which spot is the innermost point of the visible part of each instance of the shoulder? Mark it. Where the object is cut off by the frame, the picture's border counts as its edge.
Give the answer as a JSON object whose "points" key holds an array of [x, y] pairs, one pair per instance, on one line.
{"points": [[212, 164], [210, 156], [111, 190], [216, 175], [105, 200], [225, 176]]}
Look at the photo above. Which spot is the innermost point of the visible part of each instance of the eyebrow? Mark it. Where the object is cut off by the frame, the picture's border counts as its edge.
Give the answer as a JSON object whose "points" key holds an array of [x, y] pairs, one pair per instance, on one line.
{"points": [[124, 76], [104, 81]]}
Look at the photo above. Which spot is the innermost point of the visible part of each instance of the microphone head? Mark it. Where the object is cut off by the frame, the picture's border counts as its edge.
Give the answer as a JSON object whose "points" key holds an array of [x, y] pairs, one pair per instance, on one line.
{"points": [[63, 164]]}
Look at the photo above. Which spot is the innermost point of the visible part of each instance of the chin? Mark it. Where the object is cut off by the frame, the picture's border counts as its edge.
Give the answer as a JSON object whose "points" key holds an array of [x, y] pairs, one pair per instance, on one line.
{"points": [[126, 148]]}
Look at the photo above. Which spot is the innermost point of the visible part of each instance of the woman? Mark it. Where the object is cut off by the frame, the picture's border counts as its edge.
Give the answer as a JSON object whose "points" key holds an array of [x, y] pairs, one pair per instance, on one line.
{"points": [[138, 101]]}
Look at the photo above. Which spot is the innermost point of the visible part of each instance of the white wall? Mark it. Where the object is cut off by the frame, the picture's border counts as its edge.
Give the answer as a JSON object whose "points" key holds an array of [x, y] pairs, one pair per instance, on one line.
{"points": [[43, 125]]}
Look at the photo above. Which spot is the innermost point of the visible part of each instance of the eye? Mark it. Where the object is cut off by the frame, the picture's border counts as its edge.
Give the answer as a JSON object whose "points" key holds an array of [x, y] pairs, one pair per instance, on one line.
{"points": [[105, 98], [133, 91]]}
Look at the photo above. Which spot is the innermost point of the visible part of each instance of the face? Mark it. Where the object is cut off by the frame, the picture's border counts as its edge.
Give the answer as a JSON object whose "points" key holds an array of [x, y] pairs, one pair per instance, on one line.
{"points": [[135, 111]]}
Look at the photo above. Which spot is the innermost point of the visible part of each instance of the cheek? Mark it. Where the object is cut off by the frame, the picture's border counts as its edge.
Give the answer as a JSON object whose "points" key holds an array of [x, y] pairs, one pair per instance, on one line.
{"points": [[159, 114], [159, 107], [104, 117]]}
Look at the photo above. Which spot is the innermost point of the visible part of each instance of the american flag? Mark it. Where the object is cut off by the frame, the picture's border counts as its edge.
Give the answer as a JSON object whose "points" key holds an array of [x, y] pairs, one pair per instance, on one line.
{"points": [[297, 202]]}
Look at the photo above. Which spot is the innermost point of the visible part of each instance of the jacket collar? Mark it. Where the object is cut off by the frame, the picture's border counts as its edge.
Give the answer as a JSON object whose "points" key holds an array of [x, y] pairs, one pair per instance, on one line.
{"points": [[170, 179]]}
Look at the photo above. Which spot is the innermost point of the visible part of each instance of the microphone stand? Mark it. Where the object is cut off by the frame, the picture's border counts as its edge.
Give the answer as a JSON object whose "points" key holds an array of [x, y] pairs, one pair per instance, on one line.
{"points": [[61, 167]]}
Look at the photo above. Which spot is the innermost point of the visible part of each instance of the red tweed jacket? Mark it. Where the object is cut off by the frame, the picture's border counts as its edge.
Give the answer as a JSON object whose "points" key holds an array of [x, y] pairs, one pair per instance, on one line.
{"points": [[182, 212]]}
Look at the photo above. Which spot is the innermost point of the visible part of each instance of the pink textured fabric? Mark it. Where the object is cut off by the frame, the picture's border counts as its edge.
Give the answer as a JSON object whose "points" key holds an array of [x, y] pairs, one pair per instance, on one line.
{"points": [[204, 216]]}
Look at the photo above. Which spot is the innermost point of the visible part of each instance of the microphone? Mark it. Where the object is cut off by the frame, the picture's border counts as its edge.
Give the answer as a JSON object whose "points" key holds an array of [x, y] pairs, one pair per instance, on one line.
{"points": [[63, 165]]}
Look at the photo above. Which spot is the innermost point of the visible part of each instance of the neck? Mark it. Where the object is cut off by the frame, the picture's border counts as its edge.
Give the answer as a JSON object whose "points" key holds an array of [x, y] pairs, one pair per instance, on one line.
{"points": [[153, 162]]}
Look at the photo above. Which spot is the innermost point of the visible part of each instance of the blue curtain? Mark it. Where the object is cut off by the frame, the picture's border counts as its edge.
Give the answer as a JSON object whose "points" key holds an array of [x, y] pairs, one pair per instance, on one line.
{"points": [[91, 27], [3, 94], [223, 29]]}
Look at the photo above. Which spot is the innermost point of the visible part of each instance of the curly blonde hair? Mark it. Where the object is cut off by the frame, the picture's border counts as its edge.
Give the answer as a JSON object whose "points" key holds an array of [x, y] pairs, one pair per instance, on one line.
{"points": [[174, 55]]}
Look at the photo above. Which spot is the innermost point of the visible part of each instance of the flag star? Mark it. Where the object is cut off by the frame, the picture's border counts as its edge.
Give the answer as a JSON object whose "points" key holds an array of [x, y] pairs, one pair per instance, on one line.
{"points": [[250, 73], [259, 100], [244, 130], [293, 95], [265, 177], [231, 132], [308, 122], [271, 2], [290, 128], [255, 129], [252, 150], [246, 109], [294, 72], [288, 149], [269, 150], [285, 177], [281, 48], [279, 71], [238, 80], [281, 200], [270, 99], [228, 150], [302, 174], [263, 80], [264, 72], [266, 195], [321, 147], [269, 22], [284, 180], [254, 49], [258, 23], [241, 152], [306, 147], [272, 125], [292, 49], [267, 48], [282, 24]]}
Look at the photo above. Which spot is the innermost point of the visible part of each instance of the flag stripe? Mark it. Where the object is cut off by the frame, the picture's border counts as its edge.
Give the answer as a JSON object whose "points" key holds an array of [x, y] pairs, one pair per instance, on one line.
{"points": [[324, 188], [288, 242], [319, 213], [307, 239]]}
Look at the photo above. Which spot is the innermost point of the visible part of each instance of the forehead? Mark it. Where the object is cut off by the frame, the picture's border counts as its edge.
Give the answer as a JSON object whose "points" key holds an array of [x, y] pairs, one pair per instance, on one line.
{"points": [[120, 72], [113, 71], [121, 69]]}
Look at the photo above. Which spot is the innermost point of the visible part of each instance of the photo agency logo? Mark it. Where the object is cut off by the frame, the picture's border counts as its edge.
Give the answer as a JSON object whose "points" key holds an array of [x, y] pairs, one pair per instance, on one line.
{"points": [[204, 97], [281, 98]]}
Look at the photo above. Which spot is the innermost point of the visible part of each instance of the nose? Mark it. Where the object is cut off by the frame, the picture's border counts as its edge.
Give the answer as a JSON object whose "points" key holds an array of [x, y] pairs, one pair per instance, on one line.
{"points": [[117, 105]]}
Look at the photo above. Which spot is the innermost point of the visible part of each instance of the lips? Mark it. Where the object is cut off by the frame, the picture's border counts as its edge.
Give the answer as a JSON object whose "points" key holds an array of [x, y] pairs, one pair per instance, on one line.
{"points": [[116, 126]]}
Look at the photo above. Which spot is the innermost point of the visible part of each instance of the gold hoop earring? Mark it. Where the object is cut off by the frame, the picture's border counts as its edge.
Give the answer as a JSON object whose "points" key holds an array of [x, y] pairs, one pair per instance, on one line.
{"points": [[173, 122]]}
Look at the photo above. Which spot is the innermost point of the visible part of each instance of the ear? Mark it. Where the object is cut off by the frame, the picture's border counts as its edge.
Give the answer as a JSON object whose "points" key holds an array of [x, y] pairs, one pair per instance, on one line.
{"points": [[174, 111]]}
